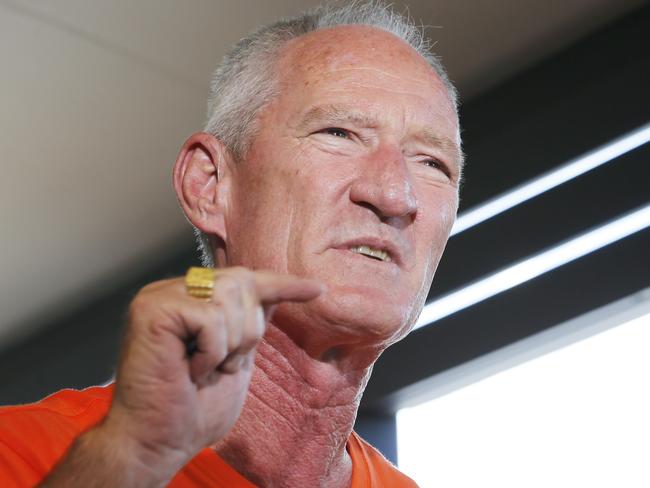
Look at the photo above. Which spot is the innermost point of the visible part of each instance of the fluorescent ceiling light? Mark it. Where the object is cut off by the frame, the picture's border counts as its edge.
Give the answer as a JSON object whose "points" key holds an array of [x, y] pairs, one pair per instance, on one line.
{"points": [[535, 266], [564, 173]]}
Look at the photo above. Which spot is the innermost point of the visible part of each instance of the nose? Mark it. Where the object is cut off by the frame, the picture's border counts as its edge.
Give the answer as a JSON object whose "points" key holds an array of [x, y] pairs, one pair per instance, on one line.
{"points": [[384, 185]]}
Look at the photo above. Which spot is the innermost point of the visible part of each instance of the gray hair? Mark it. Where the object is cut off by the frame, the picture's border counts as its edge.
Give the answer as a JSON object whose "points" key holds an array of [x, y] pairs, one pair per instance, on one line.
{"points": [[245, 81]]}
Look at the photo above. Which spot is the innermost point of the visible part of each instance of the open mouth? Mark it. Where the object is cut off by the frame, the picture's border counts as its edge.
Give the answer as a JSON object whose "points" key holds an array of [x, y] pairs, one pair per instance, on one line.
{"points": [[371, 252]]}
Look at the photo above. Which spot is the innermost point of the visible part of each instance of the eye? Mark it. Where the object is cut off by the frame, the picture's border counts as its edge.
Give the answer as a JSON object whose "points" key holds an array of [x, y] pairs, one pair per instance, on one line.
{"points": [[337, 132], [436, 164], [433, 163]]}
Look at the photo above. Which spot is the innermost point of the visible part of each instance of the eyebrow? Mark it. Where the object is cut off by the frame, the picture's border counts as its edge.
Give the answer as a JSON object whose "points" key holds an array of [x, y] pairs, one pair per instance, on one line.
{"points": [[449, 146], [338, 113], [334, 114]]}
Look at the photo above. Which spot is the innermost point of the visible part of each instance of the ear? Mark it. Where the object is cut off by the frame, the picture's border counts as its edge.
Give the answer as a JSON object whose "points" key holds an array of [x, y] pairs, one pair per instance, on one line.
{"points": [[199, 174]]}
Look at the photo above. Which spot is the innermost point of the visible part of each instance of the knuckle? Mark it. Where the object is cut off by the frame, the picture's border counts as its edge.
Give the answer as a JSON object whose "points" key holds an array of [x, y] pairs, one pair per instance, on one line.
{"points": [[219, 332], [239, 270], [216, 321], [139, 304], [252, 336], [248, 280], [234, 339], [155, 286], [249, 341], [220, 352], [227, 286], [244, 275], [149, 293], [214, 314]]}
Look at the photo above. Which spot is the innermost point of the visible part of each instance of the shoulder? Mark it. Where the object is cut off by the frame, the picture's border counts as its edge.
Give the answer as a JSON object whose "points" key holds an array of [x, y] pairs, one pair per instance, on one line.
{"points": [[371, 468], [33, 437]]}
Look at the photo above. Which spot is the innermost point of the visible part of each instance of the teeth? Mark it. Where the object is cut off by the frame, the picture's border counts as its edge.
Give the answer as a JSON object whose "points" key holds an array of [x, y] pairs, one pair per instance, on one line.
{"points": [[369, 251]]}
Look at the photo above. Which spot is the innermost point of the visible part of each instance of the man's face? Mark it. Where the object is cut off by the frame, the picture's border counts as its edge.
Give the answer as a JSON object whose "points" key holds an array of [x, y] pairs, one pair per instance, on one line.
{"points": [[352, 179]]}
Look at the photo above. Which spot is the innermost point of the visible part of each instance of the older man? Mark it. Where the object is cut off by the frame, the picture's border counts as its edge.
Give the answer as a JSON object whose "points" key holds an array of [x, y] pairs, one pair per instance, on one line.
{"points": [[324, 188]]}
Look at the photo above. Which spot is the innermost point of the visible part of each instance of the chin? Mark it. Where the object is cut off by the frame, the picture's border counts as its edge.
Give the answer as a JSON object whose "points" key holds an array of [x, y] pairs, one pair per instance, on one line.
{"points": [[364, 313]]}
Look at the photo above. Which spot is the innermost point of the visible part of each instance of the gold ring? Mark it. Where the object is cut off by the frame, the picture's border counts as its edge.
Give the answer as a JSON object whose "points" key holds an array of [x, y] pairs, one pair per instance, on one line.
{"points": [[199, 282]]}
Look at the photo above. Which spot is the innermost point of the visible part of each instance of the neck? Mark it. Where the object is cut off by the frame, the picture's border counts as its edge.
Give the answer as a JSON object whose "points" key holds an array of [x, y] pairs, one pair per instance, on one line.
{"points": [[298, 415]]}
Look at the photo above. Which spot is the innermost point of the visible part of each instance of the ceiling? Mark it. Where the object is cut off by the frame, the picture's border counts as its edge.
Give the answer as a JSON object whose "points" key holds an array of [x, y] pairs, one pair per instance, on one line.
{"points": [[98, 96]]}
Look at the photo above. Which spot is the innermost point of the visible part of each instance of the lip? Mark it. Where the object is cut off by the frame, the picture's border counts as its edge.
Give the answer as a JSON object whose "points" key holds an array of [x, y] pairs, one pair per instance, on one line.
{"points": [[377, 243]]}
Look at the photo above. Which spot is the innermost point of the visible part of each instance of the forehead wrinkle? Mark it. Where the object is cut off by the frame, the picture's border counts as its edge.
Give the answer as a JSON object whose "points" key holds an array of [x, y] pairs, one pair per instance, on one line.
{"points": [[338, 113], [395, 91], [387, 73]]}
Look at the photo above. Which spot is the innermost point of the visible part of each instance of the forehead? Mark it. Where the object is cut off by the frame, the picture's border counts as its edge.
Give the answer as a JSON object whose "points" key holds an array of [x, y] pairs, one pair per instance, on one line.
{"points": [[370, 77], [357, 59], [348, 44], [355, 50]]}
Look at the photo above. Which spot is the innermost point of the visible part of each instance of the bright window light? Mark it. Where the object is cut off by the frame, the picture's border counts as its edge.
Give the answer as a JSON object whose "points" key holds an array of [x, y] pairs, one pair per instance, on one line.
{"points": [[535, 266], [556, 177], [577, 416]]}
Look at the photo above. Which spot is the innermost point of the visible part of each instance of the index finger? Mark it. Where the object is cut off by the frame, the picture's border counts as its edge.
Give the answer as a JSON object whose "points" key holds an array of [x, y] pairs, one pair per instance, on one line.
{"points": [[274, 288]]}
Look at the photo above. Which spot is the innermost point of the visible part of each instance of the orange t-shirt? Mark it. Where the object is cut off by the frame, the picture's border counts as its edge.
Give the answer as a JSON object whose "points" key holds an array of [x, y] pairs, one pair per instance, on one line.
{"points": [[34, 437]]}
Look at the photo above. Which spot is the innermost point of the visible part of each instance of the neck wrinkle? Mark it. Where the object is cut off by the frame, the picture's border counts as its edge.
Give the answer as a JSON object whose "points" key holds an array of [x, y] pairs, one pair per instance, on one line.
{"points": [[298, 416]]}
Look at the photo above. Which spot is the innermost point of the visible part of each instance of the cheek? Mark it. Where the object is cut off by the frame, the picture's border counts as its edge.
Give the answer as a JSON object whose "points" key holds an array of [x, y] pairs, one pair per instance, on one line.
{"points": [[309, 221], [436, 218], [447, 209], [437, 198], [258, 223]]}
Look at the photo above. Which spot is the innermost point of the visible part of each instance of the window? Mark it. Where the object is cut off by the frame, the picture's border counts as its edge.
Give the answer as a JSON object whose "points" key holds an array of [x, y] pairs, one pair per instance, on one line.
{"points": [[568, 407]]}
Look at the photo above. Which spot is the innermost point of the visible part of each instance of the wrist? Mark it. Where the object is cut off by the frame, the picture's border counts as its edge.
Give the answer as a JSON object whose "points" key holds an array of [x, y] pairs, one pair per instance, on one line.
{"points": [[138, 463]]}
